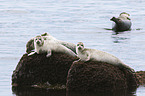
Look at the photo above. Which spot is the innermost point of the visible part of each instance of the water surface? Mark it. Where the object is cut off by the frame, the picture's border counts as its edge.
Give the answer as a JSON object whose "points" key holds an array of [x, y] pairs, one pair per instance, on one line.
{"points": [[72, 21]]}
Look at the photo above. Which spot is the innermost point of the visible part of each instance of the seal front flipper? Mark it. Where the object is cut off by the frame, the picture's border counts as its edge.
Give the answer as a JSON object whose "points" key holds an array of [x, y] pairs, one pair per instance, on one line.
{"points": [[48, 53], [31, 53]]}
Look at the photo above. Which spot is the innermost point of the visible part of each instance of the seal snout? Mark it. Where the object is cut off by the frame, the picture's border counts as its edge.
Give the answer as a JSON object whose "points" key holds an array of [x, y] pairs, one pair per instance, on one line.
{"points": [[79, 47], [38, 42], [113, 18]]}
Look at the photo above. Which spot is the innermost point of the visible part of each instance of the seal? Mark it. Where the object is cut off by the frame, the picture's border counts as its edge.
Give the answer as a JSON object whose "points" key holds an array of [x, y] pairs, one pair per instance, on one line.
{"points": [[86, 54], [43, 44], [30, 44], [122, 23]]}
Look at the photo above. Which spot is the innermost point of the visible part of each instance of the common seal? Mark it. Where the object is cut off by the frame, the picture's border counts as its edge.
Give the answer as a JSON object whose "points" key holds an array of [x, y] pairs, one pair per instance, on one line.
{"points": [[86, 54], [30, 43], [43, 44], [122, 23]]}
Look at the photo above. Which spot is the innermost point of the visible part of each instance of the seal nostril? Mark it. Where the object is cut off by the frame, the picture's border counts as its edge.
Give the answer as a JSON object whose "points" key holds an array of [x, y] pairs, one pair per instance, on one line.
{"points": [[38, 42], [79, 47]]}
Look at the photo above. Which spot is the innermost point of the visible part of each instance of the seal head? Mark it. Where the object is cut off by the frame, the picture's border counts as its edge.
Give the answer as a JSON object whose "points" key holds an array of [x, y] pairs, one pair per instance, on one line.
{"points": [[39, 41], [80, 46]]}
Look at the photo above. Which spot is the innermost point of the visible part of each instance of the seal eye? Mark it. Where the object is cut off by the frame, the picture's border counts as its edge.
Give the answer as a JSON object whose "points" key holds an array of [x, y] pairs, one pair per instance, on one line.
{"points": [[82, 45], [77, 44], [128, 18], [40, 39]]}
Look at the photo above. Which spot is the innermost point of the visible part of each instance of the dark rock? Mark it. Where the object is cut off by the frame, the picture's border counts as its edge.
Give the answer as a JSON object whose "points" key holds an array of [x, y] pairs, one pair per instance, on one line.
{"points": [[42, 72], [38, 69], [141, 77], [98, 76]]}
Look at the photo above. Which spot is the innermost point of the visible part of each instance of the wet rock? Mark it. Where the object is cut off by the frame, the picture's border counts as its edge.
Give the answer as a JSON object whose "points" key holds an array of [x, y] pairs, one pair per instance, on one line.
{"points": [[54, 73], [38, 70], [141, 77], [98, 76]]}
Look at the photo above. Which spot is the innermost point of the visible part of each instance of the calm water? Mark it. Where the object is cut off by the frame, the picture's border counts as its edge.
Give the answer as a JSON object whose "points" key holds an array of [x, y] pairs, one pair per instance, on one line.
{"points": [[72, 21]]}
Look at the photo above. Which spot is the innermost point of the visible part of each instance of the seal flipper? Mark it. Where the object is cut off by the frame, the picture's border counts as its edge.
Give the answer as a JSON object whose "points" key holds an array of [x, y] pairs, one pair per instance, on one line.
{"points": [[48, 53], [31, 53], [123, 66]]}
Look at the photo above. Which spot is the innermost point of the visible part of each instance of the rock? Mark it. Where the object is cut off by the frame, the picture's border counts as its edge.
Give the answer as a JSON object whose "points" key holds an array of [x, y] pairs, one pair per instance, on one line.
{"points": [[141, 77], [99, 76], [39, 70], [54, 72]]}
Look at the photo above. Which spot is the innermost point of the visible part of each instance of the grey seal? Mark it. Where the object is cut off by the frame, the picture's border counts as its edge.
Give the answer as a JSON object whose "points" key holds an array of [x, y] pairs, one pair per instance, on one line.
{"points": [[122, 23]]}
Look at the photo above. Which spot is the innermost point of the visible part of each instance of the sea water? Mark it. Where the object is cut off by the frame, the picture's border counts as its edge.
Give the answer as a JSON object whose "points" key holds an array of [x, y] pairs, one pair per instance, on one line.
{"points": [[72, 21]]}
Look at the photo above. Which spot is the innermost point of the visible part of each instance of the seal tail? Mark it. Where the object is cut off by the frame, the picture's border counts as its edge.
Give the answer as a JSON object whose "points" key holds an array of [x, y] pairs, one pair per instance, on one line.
{"points": [[124, 66]]}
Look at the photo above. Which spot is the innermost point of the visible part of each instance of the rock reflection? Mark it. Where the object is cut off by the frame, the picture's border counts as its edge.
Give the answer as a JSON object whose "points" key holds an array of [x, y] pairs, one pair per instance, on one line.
{"points": [[37, 92], [118, 93], [44, 92]]}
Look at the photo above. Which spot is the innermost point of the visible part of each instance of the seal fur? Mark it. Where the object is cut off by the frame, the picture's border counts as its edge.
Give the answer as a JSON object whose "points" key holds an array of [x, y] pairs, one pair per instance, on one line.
{"points": [[43, 44], [86, 54], [30, 44], [122, 23]]}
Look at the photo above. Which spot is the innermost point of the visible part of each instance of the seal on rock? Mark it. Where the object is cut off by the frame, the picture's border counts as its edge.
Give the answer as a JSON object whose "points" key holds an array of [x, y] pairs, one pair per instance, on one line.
{"points": [[43, 44], [86, 54], [30, 44], [122, 23]]}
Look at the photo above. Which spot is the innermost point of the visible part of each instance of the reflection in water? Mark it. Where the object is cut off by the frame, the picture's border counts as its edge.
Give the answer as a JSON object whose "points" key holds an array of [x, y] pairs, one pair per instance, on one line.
{"points": [[107, 28], [116, 36], [118, 39], [117, 93], [37, 92], [44, 92]]}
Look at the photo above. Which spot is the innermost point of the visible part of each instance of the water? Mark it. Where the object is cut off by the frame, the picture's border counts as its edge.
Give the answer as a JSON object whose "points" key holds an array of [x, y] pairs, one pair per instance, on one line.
{"points": [[72, 21]]}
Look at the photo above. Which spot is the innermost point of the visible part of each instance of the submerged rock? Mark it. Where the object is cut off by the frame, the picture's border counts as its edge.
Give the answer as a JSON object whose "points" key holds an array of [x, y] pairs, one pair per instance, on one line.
{"points": [[39, 70], [99, 76]]}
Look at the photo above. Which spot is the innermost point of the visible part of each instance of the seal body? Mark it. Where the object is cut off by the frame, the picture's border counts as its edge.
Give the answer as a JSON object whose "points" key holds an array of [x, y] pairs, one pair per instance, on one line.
{"points": [[122, 23], [86, 54], [30, 44], [43, 44]]}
